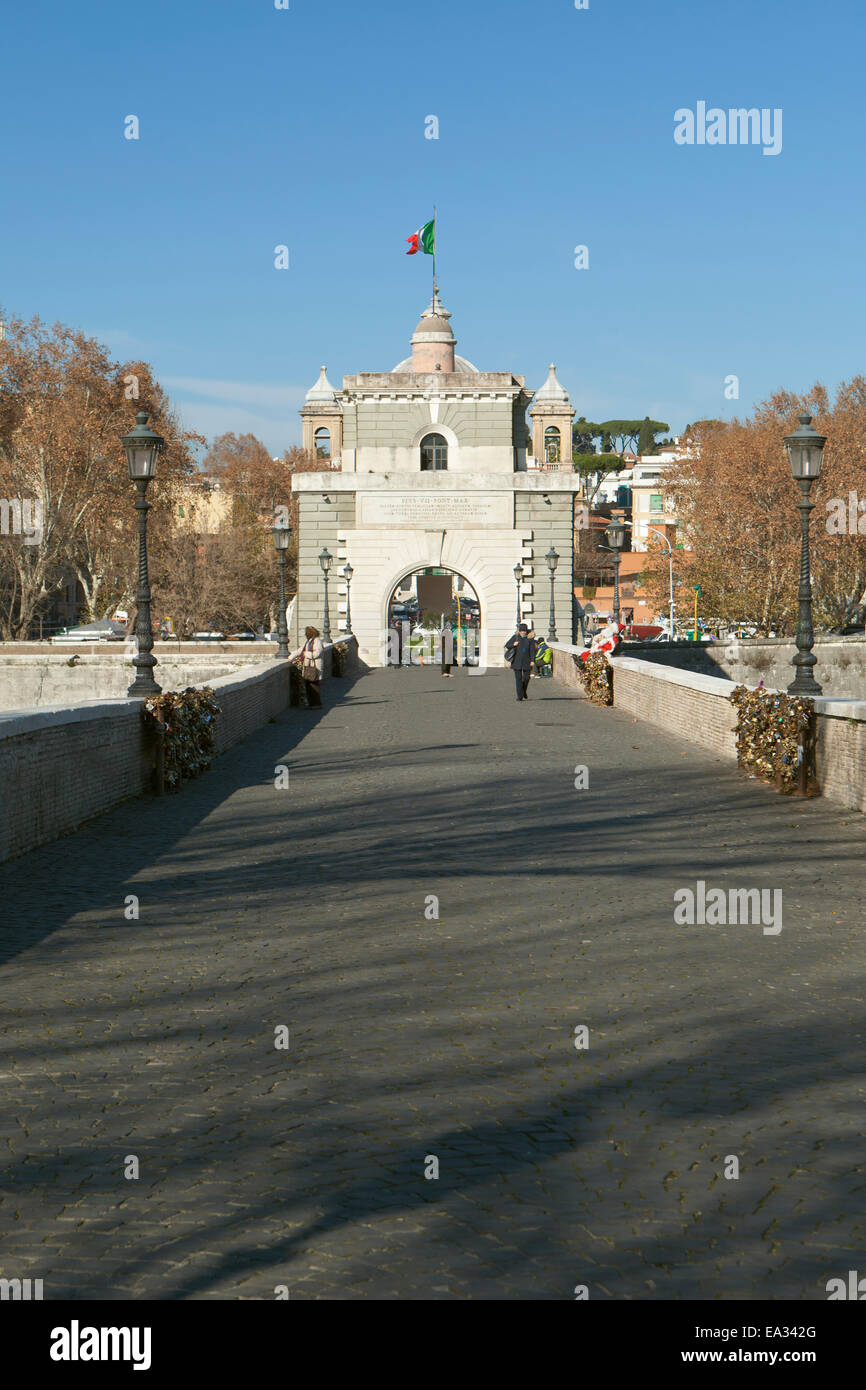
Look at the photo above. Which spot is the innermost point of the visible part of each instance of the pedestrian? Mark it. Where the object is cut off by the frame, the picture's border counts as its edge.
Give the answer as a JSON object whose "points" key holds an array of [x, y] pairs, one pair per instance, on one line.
{"points": [[520, 654], [312, 664], [447, 648]]}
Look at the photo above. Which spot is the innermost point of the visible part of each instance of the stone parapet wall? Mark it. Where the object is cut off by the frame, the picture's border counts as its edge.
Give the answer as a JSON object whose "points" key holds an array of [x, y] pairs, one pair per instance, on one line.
{"points": [[697, 708], [64, 765], [564, 666], [841, 669], [44, 678], [67, 765], [694, 707], [840, 753]]}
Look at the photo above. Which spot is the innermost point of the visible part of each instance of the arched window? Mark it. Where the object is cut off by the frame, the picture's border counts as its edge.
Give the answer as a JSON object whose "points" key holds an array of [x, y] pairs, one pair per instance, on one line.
{"points": [[552, 444], [434, 453], [322, 442]]}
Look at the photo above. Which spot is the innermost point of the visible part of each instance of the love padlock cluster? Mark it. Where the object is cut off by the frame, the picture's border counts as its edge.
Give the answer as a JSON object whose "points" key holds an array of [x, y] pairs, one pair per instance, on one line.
{"points": [[187, 716], [596, 673], [772, 730]]}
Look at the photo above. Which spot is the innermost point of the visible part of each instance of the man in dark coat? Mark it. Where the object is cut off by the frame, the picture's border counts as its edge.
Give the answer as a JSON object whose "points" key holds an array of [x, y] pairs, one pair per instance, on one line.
{"points": [[520, 654]]}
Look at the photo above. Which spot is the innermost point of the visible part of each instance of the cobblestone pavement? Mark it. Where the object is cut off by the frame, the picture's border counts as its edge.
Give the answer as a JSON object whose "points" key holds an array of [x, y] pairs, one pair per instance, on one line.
{"points": [[413, 1037]]}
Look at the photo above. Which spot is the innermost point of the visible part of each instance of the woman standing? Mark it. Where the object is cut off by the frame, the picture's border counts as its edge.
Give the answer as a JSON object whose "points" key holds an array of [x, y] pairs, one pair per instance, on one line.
{"points": [[312, 664]]}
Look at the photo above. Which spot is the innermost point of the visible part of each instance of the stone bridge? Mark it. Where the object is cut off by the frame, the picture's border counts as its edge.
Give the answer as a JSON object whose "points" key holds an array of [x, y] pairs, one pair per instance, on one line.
{"points": [[509, 1072]]}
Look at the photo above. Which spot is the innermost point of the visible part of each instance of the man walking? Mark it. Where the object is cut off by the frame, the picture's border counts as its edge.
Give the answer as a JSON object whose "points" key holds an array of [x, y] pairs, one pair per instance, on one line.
{"points": [[447, 637], [520, 654]]}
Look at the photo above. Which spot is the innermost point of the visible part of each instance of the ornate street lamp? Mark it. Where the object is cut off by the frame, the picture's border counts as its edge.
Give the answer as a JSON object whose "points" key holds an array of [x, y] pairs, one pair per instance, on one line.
{"points": [[518, 575], [806, 454], [615, 535], [552, 561], [142, 450], [347, 575], [282, 534], [326, 560]]}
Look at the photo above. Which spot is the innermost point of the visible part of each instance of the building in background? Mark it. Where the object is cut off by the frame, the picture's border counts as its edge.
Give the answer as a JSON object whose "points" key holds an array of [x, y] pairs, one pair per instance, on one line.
{"points": [[433, 476], [204, 506]]}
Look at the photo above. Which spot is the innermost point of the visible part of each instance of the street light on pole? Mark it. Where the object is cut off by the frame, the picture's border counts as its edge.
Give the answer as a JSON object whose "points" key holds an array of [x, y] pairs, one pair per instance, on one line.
{"points": [[667, 542], [615, 535], [552, 561], [142, 448], [347, 575], [281, 533], [326, 559], [805, 454], [518, 575]]}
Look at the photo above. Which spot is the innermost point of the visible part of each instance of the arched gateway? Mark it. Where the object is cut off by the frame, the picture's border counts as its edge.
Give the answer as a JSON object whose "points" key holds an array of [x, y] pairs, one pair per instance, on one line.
{"points": [[433, 476], [417, 607]]}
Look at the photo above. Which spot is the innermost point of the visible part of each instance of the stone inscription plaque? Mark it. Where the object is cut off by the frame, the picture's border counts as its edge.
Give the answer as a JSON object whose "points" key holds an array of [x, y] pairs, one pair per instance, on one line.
{"points": [[448, 510]]}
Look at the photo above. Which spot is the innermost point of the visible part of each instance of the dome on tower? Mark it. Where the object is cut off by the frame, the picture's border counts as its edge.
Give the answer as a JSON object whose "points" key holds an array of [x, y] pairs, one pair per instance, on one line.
{"points": [[552, 390], [434, 323], [433, 344], [322, 390]]}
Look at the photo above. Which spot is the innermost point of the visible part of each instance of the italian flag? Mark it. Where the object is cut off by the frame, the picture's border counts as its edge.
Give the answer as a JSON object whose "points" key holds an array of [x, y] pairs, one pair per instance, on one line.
{"points": [[423, 240]]}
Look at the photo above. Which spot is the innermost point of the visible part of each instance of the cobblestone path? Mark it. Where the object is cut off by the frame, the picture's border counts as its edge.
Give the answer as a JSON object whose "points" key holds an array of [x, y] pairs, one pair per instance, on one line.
{"points": [[414, 1037]]}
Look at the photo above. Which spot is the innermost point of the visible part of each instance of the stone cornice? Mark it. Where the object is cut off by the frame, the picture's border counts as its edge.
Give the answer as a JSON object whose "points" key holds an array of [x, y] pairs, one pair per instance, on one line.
{"points": [[436, 482]]}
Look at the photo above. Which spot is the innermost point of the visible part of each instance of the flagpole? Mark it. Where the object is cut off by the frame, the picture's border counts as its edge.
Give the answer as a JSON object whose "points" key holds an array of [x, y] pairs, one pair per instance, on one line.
{"points": [[434, 257]]}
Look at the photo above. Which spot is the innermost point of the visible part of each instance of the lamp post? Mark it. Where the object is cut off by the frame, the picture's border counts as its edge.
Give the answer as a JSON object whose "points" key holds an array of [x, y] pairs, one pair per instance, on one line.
{"points": [[615, 535], [282, 534], [326, 559], [142, 448], [518, 575], [347, 575], [552, 561], [667, 542], [805, 453]]}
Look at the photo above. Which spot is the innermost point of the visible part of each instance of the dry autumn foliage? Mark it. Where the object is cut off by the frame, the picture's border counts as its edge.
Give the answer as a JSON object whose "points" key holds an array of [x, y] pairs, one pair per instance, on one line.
{"points": [[259, 484], [64, 403], [737, 504]]}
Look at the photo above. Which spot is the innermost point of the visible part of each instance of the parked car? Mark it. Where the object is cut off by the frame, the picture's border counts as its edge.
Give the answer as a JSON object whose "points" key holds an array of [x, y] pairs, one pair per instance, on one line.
{"points": [[242, 637], [208, 637], [103, 631]]}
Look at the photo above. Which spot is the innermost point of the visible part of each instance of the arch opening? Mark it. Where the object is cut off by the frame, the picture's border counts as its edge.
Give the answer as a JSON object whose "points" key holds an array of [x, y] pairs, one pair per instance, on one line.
{"points": [[552, 444], [428, 608]]}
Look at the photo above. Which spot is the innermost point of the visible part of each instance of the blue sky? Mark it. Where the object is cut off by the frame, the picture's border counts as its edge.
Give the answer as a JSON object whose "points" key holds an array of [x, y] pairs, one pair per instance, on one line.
{"points": [[305, 127]]}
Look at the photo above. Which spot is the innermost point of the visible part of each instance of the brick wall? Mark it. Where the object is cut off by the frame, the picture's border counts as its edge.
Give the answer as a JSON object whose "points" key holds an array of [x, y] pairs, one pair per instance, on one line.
{"points": [[68, 764], [564, 668], [840, 755], [697, 708], [841, 669]]}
